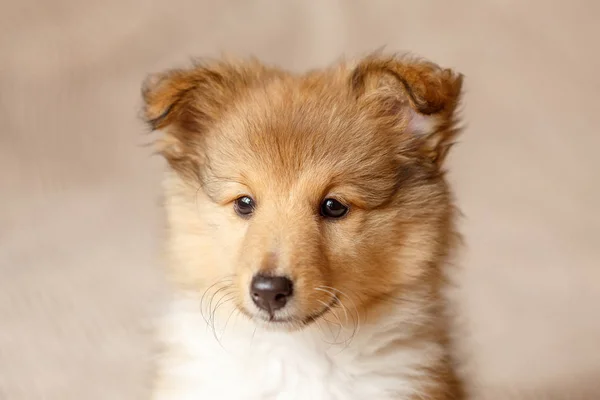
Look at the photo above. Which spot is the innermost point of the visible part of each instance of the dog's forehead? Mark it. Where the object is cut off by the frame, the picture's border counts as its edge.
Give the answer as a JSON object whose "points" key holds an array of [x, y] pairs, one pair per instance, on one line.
{"points": [[301, 124], [292, 137]]}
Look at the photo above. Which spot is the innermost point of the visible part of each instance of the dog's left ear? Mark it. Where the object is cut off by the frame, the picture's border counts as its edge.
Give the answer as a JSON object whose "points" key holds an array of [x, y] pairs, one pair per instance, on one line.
{"points": [[413, 95]]}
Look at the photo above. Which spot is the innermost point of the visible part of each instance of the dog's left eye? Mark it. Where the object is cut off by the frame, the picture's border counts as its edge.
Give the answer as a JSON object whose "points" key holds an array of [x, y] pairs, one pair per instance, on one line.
{"points": [[331, 208], [244, 206]]}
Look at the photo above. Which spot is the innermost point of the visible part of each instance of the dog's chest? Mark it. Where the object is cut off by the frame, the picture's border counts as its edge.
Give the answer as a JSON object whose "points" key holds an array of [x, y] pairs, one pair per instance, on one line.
{"points": [[241, 364]]}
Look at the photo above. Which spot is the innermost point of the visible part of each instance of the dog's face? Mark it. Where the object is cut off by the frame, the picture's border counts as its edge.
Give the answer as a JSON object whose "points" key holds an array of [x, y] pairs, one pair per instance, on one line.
{"points": [[296, 194]]}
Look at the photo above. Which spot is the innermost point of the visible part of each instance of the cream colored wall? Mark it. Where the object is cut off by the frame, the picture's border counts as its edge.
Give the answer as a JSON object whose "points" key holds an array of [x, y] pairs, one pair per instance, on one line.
{"points": [[79, 215]]}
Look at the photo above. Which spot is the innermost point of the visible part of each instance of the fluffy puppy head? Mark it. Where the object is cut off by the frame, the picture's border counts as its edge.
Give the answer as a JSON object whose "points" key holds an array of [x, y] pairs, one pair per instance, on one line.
{"points": [[298, 194]]}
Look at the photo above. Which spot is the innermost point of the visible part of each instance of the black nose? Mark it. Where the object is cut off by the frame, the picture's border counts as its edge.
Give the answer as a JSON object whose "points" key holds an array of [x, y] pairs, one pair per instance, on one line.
{"points": [[271, 292]]}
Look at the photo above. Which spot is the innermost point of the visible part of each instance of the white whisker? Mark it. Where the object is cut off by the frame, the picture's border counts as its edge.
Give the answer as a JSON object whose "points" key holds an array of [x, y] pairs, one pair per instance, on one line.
{"points": [[356, 322]]}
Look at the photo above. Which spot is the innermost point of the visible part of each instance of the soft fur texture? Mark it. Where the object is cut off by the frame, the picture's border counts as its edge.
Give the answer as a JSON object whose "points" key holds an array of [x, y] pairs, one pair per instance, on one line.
{"points": [[366, 320]]}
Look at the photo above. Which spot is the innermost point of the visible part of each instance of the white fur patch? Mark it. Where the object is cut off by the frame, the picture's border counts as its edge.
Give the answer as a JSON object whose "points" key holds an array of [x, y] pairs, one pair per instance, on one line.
{"points": [[249, 363]]}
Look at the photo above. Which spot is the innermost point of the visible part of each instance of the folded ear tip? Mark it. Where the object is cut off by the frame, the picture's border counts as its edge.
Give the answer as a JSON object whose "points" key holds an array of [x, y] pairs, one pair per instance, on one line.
{"points": [[156, 117], [457, 80], [160, 92], [430, 88]]}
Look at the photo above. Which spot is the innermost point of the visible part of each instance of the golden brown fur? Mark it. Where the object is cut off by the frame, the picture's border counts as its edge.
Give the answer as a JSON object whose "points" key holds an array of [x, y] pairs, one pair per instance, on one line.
{"points": [[372, 134]]}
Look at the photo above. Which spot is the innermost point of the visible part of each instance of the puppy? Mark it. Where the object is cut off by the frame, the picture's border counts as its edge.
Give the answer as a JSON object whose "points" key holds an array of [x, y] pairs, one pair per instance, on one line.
{"points": [[310, 229]]}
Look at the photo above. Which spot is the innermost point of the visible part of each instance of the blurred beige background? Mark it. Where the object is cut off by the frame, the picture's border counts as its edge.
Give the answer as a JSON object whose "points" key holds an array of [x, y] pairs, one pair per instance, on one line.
{"points": [[80, 221]]}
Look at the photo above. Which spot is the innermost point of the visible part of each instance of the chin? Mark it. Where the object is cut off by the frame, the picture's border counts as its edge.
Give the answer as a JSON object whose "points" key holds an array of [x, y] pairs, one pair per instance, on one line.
{"points": [[310, 229]]}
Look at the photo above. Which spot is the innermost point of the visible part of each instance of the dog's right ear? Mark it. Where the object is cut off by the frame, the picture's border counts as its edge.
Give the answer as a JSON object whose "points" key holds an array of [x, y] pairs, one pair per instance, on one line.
{"points": [[187, 99], [165, 95], [183, 104]]}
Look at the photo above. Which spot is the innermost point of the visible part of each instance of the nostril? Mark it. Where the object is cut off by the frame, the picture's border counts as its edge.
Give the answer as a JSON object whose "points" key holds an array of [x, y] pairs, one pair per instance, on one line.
{"points": [[280, 297]]}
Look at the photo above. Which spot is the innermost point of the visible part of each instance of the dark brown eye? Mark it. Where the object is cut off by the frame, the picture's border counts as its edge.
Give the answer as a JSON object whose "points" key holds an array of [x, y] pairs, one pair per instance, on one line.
{"points": [[331, 208], [244, 206]]}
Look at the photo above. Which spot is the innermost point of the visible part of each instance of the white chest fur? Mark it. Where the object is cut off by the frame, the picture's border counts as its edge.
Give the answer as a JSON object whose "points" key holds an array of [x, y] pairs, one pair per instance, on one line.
{"points": [[237, 361]]}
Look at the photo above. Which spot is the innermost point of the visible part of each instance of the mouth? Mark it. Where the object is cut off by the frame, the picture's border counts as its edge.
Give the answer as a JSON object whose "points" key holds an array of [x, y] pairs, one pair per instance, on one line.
{"points": [[315, 316], [307, 320]]}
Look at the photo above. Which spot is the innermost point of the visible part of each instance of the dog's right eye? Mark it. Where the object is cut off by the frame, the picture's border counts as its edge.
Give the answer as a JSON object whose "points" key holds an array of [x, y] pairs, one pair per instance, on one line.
{"points": [[244, 206], [332, 208]]}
